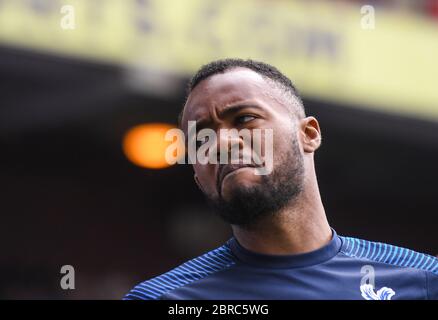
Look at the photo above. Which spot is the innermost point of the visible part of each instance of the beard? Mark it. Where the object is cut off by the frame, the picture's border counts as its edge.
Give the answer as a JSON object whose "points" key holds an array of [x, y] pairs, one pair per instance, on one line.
{"points": [[248, 205]]}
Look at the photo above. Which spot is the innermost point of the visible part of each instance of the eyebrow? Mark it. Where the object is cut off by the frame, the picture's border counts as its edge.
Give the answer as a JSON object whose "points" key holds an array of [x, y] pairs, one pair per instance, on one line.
{"points": [[203, 123]]}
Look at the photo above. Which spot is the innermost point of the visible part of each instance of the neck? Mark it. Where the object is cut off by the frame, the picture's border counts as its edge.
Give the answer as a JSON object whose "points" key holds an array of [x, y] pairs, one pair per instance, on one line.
{"points": [[300, 227]]}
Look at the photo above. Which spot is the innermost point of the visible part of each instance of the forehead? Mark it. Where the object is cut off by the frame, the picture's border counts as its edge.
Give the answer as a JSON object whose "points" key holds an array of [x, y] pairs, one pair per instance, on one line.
{"points": [[233, 86]]}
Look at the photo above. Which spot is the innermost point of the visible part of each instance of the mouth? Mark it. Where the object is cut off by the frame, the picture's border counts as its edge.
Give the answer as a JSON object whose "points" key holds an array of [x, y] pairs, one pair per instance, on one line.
{"points": [[225, 170]]}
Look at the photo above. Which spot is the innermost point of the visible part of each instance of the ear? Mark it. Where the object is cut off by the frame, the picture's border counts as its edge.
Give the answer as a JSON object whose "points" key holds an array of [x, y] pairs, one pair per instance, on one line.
{"points": [[310, 134]]}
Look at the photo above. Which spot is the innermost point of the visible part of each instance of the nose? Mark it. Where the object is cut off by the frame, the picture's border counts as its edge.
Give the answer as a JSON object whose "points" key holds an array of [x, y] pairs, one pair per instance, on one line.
{"points": [[229, 146]]}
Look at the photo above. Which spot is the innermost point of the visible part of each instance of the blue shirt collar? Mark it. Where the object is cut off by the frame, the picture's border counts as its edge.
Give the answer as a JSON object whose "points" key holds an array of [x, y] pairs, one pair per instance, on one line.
{"points": [[286, 261]]}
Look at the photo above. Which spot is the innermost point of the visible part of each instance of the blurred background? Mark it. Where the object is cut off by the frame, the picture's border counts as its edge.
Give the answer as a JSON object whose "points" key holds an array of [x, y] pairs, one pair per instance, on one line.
{"points": [[88, 86]]}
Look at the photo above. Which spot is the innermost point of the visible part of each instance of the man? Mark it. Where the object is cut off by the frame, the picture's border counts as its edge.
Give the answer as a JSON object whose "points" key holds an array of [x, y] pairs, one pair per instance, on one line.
{"points": [[282, 245]]}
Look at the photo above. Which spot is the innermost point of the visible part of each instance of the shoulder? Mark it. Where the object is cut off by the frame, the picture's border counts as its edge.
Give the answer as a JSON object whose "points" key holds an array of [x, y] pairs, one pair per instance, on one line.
{"points": [[388, 254], [193, 270]]}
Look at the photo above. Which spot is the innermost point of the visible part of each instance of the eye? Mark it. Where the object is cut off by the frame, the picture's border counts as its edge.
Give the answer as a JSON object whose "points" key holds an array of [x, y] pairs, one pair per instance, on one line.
{"points": [[245, 118]]}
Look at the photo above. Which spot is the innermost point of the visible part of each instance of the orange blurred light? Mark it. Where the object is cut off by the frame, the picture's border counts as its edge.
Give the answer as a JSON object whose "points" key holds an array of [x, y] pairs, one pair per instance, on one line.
{"points": [[144, 145]]}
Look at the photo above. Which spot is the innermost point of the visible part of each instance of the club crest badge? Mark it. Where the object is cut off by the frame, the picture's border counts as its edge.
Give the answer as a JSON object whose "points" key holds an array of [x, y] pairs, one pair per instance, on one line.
{"points": [[368, 293]]}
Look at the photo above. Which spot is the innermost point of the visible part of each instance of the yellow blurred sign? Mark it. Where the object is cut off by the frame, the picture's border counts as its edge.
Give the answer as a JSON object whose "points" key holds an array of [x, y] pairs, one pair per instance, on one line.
{"points": [[321, 46]]}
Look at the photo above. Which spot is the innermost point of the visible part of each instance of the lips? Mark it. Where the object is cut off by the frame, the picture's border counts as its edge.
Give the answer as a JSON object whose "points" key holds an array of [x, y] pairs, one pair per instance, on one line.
{"points": [[225, 169]]}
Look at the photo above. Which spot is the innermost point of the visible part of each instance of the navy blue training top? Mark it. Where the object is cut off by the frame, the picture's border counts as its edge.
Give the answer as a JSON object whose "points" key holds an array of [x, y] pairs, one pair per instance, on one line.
{"points": [[346, 268]]}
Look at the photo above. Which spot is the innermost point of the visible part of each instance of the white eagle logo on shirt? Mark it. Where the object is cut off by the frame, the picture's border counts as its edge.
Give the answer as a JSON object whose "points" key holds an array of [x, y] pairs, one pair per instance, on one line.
{"points": [[368, 293]]}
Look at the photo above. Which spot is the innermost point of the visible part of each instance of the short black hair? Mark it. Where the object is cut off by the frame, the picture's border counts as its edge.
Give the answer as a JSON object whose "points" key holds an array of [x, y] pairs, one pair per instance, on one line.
{"points": [[266, 70]]}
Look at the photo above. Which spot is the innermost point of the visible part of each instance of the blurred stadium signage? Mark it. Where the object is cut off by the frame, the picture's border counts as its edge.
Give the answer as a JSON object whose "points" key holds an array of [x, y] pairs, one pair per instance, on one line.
{"points": [[320, 45]]}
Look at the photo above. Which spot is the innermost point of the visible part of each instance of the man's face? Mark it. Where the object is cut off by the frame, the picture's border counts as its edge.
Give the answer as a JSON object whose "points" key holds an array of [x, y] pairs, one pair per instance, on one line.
{"points": [[242, 99]]}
